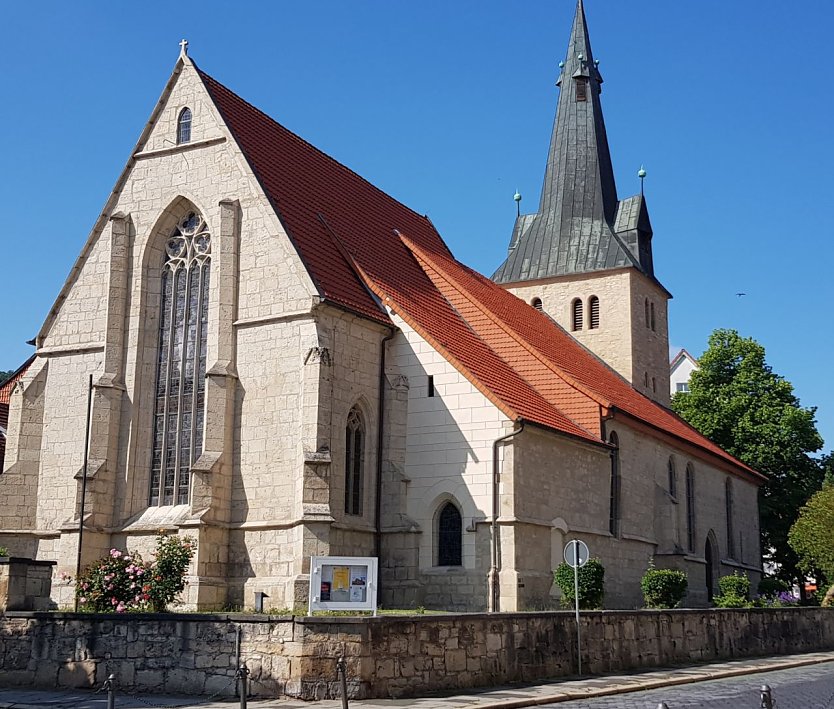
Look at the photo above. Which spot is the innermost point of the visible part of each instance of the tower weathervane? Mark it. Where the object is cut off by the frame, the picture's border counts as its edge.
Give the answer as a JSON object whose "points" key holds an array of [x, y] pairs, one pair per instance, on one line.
{"points": [[183, 48]]}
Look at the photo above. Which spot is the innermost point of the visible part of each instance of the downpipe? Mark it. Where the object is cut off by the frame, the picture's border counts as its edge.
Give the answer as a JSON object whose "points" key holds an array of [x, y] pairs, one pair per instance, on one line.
{"points": [[494, 595]]}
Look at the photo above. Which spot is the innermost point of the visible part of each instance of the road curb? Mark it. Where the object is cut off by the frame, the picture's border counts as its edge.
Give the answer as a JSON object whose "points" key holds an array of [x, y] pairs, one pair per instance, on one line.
{"points": [[571, 695]]}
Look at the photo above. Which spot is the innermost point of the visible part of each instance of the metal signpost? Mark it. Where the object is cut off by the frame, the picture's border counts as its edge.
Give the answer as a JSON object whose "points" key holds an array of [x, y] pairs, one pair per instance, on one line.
{"points": [[576, 555]]}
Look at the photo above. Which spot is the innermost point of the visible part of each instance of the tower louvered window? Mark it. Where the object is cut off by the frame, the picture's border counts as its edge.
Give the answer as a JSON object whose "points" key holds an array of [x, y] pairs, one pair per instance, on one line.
{"points": [[537, 303], [593, 307], [652, 316], [184, 126], [647, 312], [181, 363], [576, 315], [581, 88], [690, 508], [354, 462]]}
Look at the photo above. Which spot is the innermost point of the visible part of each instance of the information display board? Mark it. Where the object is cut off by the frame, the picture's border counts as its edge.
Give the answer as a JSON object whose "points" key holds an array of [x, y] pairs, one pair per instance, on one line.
{"points": [[343, 583]]}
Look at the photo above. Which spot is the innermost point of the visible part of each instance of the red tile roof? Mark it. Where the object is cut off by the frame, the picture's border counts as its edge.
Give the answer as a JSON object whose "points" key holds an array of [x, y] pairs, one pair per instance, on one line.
{"points": [[5, 397], [347, 233]]}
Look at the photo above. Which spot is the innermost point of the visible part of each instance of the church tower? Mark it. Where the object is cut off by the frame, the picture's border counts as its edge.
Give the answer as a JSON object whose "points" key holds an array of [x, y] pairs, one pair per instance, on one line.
{"points": [[585, 258]]}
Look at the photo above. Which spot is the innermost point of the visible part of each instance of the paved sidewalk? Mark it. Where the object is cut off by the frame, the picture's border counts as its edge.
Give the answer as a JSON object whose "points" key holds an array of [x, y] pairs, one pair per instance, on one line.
{"points": [[508, 697]]}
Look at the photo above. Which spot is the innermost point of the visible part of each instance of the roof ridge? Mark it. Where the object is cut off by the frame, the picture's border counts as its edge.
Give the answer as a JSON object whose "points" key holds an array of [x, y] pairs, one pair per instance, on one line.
{"points": [[473, 378], [552, 366], [205, 75]]}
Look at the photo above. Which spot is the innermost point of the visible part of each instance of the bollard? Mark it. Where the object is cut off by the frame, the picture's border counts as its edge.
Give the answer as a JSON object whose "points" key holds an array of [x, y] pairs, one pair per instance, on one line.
{"points": [[243, 676], [341, 671], [767, 697], [110, 683]]}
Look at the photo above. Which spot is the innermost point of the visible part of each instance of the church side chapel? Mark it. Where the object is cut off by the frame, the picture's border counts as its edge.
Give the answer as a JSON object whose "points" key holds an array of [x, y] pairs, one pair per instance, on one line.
{"points": [[288, 362]]}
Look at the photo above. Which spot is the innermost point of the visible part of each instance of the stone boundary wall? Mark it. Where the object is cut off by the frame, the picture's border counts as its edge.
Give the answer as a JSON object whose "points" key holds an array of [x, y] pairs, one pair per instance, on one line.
{"points": [[388, 656]]}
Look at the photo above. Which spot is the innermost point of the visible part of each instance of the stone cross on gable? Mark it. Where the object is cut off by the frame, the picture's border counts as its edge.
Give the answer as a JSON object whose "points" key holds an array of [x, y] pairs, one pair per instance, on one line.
{"points": [[184, 48]]}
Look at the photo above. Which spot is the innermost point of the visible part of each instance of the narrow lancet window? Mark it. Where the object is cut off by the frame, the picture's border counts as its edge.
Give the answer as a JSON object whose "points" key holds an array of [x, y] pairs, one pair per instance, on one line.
{"points": [[728, 501], [673, 480], [690, 508], [184, 126], [354, 462], [614, 506], [179, 411], [449, 536]]}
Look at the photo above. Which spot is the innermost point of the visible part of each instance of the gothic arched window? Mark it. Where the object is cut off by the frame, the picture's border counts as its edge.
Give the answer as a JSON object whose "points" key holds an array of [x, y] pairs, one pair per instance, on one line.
{"points": [[576, 315], [184, 126], [690, 507], [730, 512], [614, 505], [179, 410], [354, 459], [449, 536], [593, 308], [673, 480]]}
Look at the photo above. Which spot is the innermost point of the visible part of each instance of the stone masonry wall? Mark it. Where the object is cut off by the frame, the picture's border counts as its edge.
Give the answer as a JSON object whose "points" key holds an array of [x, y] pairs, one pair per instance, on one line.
{"points": [[386, 656]]}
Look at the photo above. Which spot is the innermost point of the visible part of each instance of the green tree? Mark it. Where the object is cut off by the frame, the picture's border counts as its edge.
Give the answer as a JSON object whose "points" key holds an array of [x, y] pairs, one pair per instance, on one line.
{"points": [[812, 536], [736, 400], [5, 374]]}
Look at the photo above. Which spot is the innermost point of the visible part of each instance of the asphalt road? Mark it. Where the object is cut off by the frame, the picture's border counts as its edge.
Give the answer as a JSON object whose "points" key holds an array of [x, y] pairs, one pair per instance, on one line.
{"points": [[800, 688]]}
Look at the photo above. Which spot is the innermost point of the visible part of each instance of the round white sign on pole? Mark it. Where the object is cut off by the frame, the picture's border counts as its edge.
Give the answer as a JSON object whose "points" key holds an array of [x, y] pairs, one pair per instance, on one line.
{"points": [[576, 553]]}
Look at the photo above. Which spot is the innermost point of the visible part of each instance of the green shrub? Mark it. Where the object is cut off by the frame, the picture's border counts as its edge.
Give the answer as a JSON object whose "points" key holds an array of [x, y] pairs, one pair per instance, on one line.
{"points": [[4, 551], [735, 591], [122, 582], [770, 586], [591, 584], [663, 588]]}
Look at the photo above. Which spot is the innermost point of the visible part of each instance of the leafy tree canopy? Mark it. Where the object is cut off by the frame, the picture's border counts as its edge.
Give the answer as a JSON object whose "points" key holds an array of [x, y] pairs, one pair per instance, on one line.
{"points": [[5, 374], [812, 535], [737, 401]]}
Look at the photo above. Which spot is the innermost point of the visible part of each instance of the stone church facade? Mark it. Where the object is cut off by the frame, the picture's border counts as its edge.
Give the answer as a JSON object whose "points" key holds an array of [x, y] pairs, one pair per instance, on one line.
{"points": [[287, 362]]}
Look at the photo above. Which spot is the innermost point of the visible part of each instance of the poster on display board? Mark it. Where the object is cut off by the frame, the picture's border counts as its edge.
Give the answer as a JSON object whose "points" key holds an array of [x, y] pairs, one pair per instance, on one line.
{"points": [[343, 583]]}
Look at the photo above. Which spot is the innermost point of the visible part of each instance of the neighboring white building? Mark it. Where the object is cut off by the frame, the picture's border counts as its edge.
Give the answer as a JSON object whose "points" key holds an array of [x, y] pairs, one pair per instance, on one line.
{"points": [[680, 370]]}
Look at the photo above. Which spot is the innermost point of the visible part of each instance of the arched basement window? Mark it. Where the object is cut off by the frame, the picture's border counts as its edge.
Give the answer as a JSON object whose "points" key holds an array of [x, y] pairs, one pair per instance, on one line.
{"points": [[179, 411], [576, 315], [614, 506], [537, 303], [354, 462], [449, 536], [730, 512], [184, 126], [690, 507], [593, 308]]}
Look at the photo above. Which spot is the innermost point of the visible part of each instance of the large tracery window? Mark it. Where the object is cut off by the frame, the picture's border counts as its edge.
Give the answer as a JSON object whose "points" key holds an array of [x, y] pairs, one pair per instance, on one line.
{"points": [[181, 363]]}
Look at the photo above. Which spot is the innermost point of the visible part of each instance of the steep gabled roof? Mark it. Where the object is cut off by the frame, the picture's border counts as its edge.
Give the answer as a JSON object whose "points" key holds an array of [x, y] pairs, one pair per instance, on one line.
{"points": [[368, 252]]}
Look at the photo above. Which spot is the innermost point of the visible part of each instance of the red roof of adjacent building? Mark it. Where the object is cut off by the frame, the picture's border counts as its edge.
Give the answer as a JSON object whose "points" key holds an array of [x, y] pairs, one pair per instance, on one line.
{"points": [[5, 397], [363, 248]]}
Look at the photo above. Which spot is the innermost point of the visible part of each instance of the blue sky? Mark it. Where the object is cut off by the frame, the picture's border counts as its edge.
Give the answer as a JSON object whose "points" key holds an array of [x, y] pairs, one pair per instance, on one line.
{"points": [[448, 106]]}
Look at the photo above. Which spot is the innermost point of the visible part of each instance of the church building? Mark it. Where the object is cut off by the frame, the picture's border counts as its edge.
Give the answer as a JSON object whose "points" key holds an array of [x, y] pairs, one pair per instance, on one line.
{"points": [[287, 362]]}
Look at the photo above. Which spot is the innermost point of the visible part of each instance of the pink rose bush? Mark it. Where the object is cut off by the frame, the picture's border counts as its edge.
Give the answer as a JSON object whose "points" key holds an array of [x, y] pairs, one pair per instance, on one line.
{"points": [[123, 582]]}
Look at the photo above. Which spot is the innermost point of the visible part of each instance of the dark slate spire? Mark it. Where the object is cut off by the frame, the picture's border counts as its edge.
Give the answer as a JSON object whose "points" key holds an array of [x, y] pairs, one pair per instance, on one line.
{"points": [[574, 229]]}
